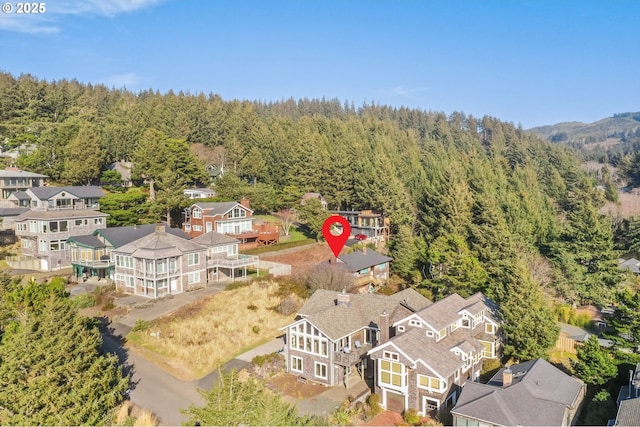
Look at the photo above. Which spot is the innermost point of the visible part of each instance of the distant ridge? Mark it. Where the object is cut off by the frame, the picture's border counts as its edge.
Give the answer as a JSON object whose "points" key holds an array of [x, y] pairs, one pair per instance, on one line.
{"points": [[616, 128]]}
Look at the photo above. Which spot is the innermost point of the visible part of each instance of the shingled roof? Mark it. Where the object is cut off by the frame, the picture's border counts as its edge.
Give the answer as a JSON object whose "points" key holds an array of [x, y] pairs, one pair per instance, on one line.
{"points": [[539, 396], [80, 191], [119, 236], [359, 260], [339, 320], [218, 208], [213, 239], [159, 244]]}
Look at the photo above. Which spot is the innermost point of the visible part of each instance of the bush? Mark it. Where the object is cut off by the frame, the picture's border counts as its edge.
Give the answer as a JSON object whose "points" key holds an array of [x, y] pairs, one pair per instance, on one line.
{"points": [[83, 301], [142, 325], [109, 304], [410, 416], [288, 306], [374, 404], [256, 329], [261, 359], [252, 307]]}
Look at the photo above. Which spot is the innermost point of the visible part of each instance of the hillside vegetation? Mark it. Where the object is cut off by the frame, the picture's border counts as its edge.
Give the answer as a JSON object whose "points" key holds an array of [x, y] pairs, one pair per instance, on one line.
{"points": [[476, 204]]}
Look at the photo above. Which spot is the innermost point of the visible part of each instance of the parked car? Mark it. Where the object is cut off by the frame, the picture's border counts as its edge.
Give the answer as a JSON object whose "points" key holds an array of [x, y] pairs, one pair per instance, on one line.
{"points": [[360, 237]]}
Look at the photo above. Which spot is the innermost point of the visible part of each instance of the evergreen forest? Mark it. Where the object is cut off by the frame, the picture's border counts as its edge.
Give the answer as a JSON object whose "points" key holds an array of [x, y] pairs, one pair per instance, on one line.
{"points": [[475, 204]]}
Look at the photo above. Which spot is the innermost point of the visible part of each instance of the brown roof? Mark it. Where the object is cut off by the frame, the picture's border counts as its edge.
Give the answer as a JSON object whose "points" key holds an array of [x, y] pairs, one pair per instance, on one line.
{"points": [[60, 214], [339, 320]]}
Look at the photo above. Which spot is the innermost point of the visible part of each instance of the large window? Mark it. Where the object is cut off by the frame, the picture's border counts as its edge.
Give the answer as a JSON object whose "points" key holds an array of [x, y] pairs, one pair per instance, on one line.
{"points": [[309, 341], [237, 213], [197, 213], [124, 261], [392, 373], [194, 277], [431, 383], [321, 370], [296, 364], [488, 328]]}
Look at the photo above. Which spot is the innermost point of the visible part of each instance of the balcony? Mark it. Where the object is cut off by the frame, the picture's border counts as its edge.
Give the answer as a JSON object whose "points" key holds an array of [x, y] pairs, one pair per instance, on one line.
{"points": [[350, 356], [234, 261]]}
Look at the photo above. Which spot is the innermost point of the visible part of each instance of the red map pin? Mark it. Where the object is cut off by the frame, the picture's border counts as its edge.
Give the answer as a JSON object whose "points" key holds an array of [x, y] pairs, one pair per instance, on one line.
{"points": [[336, 243]]}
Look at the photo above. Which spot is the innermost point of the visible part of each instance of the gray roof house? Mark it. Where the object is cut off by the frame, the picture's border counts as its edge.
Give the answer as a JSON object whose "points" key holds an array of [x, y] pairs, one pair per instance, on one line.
{"points": [[628, 401], [69, 197], [159, 264], [367, 265], [14, 179], [533, 393], [434, 351], [91, 253], [630, 264], [333, 331]]}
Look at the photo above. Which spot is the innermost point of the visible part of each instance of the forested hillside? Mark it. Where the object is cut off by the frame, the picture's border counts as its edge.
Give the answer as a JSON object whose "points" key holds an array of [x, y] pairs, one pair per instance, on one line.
{"points": [[475, 203]]}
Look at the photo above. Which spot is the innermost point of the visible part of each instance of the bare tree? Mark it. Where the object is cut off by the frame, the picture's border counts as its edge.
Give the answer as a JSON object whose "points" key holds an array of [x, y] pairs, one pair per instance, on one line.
{"points": [[330, 277]]}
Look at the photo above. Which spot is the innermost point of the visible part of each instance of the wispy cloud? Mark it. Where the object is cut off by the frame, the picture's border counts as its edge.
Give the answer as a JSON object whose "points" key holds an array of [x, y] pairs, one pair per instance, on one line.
{"points": [[48, 22], [406, 92], [127, 80]]}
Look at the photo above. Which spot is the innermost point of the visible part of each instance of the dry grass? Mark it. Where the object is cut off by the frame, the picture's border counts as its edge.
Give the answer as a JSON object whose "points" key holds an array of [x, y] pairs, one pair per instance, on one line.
{"points": [[146, 418], [200, 337], [122, 413]]}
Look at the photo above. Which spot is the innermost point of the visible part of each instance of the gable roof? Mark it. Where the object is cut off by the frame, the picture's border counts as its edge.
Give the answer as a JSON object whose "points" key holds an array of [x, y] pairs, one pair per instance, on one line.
{"points": [[446, 311], [214, 239], [159, 244], [338, 320], [80, 191], [120, 236], [628, 413], [631, 264], [219, 208], [539, 395], [359, 260], [17, 173]]}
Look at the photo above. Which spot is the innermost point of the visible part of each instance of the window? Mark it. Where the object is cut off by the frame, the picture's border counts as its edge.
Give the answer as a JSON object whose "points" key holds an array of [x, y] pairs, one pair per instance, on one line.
{"points": [[400, 328], [430, 333], [64, 225], [194, 258], [431, 383], [42, 245], [390, 355], [465, 323], [197, 228], [321, 370], [296, 364], [187, 227], [488, 328], [414, 322], [443, 333], [392, 373], [368, 336], [78, 222], [194, 277]]}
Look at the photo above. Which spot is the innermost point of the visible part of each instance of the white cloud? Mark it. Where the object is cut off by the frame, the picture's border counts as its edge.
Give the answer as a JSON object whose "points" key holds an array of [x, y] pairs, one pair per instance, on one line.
{"points": [[46, 22], [407, 92], [119, 81]]}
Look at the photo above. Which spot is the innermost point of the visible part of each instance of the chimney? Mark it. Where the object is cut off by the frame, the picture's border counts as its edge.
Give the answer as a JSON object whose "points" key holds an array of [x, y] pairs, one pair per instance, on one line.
{"points": [[384, 327], [507, 377], [364, 250], [343, 298], [245, 202]]}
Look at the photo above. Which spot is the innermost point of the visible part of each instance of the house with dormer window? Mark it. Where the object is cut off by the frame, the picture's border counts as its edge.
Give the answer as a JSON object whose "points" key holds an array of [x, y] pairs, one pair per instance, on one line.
{"points": [[329, 340], [434, 351]]}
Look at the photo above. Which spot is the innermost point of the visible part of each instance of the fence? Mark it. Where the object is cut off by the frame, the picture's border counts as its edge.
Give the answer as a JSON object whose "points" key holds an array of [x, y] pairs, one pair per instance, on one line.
{"points": [[275, 268], [24, 263], [566, 344]]}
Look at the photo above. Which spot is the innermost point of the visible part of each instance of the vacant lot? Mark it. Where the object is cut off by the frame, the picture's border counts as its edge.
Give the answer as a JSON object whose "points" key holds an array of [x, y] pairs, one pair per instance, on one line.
{"points": [[201, 336], [304, 259]]}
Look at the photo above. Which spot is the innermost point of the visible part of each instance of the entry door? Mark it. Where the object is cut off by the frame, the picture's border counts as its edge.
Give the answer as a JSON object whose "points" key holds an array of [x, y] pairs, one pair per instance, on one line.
{"points": [[209, 226], [174, 285]]}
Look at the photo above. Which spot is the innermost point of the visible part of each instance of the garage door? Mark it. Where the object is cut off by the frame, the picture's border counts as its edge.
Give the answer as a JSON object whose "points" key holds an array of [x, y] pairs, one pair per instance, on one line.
{"points": [[395, 401]]}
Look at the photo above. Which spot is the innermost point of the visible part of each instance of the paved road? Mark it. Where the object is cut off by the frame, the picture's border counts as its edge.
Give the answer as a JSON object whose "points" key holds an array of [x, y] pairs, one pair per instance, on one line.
{"points": [[160, 392], [152, 387]]}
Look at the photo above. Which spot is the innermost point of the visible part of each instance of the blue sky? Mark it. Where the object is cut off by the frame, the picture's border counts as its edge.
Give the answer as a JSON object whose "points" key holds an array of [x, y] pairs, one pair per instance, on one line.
{"points": [[530, 62]]}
